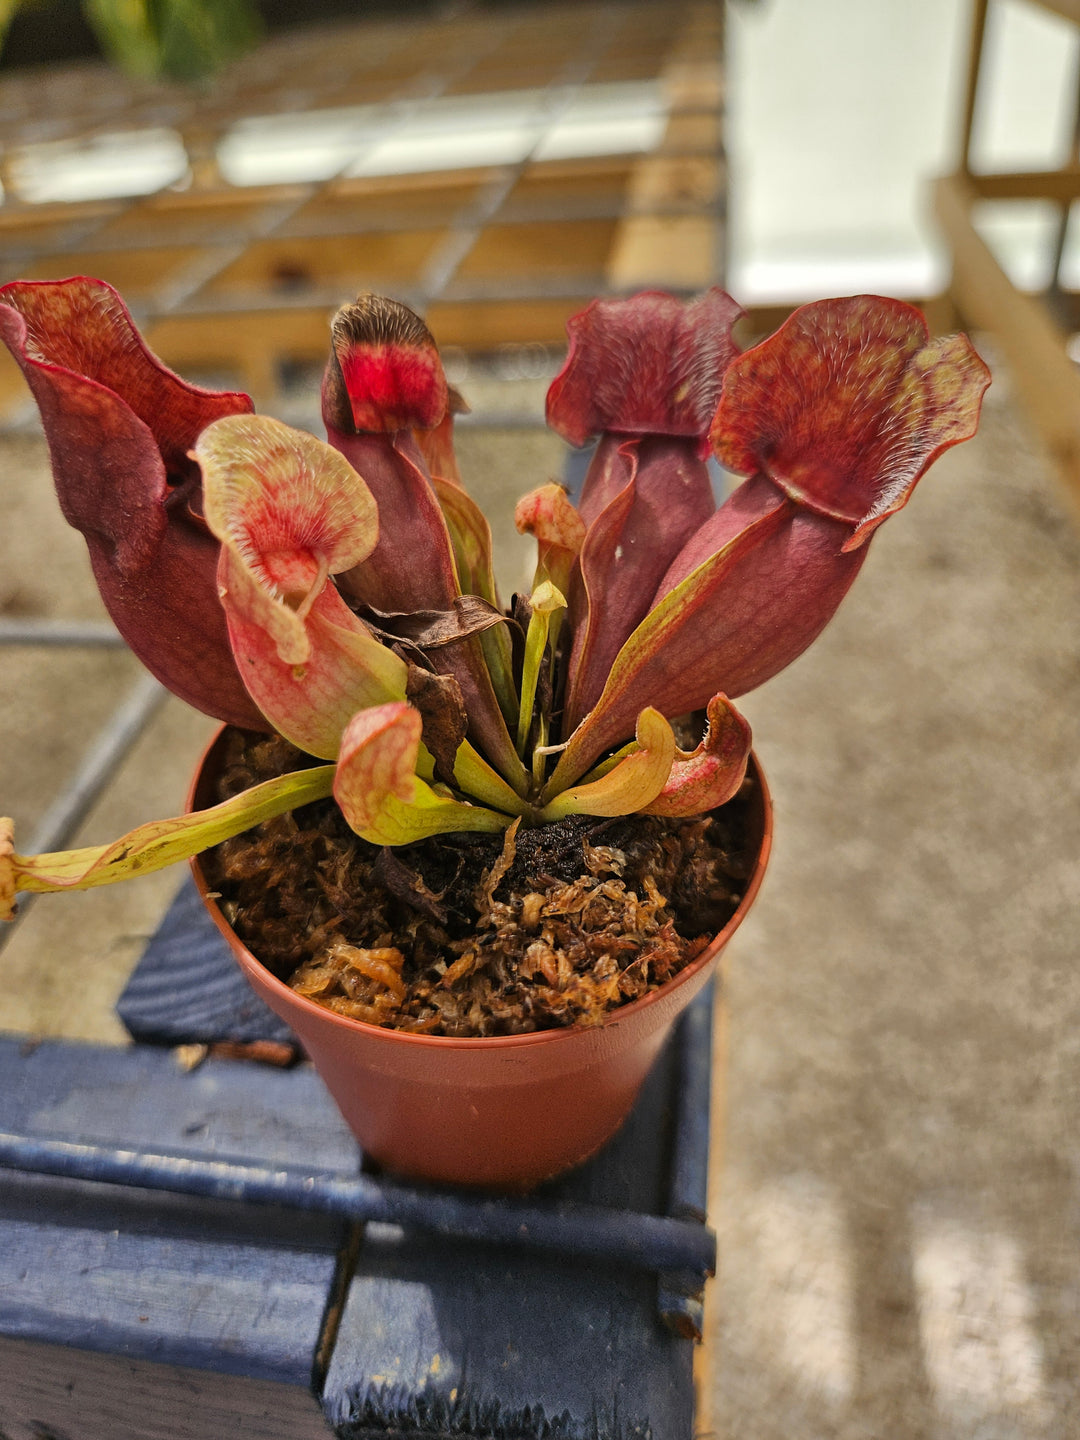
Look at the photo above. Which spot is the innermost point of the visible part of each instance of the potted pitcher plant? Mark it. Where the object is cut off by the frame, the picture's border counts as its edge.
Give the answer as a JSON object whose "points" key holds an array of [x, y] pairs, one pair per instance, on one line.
{"points": [[480, 856]]}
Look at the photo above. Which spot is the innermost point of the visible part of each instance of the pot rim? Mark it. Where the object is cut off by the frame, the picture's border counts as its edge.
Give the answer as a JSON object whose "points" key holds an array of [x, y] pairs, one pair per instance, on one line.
{"points": [[490, 1042]]}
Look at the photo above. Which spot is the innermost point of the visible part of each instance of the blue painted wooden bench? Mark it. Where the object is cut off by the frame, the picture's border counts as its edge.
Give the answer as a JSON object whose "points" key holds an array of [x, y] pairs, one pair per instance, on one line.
{"points": [[193, 1255]]}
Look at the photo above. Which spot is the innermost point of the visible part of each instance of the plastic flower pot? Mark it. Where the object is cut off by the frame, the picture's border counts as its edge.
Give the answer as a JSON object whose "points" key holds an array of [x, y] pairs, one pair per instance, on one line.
{"points": [[502, 1112]]}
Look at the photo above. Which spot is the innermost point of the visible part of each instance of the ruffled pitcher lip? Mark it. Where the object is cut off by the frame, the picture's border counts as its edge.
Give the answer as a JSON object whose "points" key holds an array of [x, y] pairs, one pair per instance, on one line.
{"points": [[847, 405]]}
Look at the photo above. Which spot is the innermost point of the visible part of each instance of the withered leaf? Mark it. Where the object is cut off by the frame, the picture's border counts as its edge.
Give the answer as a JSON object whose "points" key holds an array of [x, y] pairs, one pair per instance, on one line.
{"points": [[430, 629], [521, 611], [405, 650], [544, 694], [407, 885], [442, 713]]}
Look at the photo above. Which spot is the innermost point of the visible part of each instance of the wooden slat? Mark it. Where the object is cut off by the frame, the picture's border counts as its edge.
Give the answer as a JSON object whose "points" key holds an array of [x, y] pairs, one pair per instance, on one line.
{"points": [[677, 251], [439, 1339], [110, 1397], [1067, 9], [248, 343], [671, 182], [487, 325], [1065, 307], [652, 246], [982, 293], [693, 133], [238, 279], [599, 178], [1061, 185], [201, 217], [694, 82], [288, 264], [1047, 380], [209, 339], [126, 1318], [634, 68], [354, 206], [32, 221], [137, 274], [578, 247]]}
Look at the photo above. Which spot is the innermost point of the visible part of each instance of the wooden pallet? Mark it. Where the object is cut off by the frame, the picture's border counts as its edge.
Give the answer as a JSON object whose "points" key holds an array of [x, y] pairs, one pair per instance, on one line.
{"points": [[146, 1294], [1031, 329], [239, 279]]}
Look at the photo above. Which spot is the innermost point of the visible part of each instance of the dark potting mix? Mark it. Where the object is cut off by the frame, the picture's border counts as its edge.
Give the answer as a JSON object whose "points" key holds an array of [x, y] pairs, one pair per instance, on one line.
{"points": [[468, 934]]}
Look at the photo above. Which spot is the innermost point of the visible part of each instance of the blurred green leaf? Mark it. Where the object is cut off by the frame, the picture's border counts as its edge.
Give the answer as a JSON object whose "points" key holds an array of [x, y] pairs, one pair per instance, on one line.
{"points": [[172, 39], [8, 10]]}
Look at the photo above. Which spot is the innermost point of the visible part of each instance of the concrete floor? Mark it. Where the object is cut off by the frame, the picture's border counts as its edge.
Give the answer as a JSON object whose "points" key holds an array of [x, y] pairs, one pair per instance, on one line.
{"points": [[897, 1198]]}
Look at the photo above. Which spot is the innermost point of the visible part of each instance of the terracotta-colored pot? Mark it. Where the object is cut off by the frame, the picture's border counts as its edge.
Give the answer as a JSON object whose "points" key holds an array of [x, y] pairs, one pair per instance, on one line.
{"points": [[505, 1112]]}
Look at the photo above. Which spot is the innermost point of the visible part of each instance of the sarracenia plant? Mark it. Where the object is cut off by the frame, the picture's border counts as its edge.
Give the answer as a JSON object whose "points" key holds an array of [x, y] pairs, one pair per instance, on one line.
{"points": [[343, 595]]}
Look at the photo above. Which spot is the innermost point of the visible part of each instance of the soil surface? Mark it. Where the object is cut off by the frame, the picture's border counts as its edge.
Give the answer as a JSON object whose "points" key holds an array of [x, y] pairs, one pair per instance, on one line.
{"points": [[470, 934]]}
